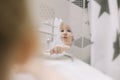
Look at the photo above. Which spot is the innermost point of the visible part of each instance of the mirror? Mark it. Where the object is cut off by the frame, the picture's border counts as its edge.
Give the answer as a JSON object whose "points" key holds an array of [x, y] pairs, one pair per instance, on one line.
{"points": [[73, 15]]}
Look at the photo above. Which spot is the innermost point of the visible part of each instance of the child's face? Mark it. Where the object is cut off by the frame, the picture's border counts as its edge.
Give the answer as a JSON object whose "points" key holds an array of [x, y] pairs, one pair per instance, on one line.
{"points": [[66, 34]]}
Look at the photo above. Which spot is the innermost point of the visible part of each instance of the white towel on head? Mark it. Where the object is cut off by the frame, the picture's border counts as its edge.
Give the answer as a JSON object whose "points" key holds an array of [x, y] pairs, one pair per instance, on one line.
{"points": [[56, 38]]}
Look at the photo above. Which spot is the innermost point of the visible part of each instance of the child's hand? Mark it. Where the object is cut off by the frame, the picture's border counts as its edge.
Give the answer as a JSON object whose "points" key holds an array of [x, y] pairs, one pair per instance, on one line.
{"points": [[59, 49]]}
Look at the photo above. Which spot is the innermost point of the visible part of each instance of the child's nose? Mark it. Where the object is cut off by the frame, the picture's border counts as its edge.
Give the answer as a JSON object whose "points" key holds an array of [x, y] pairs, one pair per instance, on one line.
{"points": [[65, 33]]}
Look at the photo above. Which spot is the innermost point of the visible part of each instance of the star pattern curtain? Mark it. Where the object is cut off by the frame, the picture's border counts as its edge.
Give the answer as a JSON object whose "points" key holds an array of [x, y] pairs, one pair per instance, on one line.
{"points": [[104, 22]]}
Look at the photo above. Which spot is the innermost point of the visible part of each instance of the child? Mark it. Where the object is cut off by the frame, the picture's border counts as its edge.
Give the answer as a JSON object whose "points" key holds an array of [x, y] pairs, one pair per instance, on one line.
{"points": [[66, 37]]}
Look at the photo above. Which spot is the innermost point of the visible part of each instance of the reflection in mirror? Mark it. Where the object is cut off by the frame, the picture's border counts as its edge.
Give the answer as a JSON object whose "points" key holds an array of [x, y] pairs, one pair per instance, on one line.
{"points": [[78, 17]]}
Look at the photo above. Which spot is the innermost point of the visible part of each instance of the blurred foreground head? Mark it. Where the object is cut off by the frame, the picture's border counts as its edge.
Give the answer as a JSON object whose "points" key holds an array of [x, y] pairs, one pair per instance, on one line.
{"points": [[17, 35]]}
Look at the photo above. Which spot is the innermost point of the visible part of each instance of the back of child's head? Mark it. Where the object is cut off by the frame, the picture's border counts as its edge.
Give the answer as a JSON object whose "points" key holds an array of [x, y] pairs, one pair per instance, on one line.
{"points": [[17, 35]]}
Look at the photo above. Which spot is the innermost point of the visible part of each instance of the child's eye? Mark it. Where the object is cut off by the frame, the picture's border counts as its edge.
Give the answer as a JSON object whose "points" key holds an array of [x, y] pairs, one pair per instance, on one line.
{"points": [[62, 30], [68, 30]]}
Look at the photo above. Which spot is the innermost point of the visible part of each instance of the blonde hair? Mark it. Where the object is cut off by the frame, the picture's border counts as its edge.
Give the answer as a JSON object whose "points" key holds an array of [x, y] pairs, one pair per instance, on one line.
{"points": [[13, 27], [62, 24]]}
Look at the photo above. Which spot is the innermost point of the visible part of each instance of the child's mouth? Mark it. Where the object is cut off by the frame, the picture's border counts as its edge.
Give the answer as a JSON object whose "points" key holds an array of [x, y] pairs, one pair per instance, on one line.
{"points": [[65, 37]]}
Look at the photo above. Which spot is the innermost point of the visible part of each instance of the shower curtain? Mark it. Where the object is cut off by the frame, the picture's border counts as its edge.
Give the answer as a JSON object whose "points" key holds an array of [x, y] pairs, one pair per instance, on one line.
{"points": [[105, 35]]}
